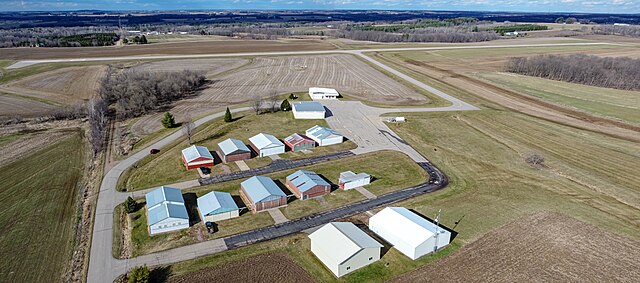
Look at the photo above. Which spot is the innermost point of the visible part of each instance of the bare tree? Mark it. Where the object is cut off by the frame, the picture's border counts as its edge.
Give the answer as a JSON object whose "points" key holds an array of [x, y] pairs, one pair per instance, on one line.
{"points": [[97, 110], [274, 104], [187, 127], [257, 106]]}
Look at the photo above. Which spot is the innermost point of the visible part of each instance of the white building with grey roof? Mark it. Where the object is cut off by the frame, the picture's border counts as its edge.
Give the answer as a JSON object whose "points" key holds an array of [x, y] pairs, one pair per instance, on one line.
{"points": [[265, 145], [324, 136], [166, 211], [217, 206], [308, 110]]}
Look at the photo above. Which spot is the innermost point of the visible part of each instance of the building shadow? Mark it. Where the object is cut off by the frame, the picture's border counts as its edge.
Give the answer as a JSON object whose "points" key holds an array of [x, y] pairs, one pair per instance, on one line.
{"points": [[386, 246], [243, 207], [333, 186], [191, 203], [217, 159], [327, 112], [454, 234], [290, 196]]}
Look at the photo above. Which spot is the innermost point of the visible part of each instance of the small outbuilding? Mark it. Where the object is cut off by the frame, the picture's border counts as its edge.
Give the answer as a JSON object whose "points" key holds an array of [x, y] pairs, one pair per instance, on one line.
{"points": [[298, 142], [323, 93], [307, 184], [166, 211], [324, 136], [343, 248], [260, 193], [349, 180], [233, 150], [197, 156], [308, 110], [408, 232], [265, 145], [217, 206]]}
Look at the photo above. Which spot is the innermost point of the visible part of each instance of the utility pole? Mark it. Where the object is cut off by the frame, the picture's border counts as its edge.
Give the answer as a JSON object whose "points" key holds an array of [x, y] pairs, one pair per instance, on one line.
{"points": [[437, 219]]}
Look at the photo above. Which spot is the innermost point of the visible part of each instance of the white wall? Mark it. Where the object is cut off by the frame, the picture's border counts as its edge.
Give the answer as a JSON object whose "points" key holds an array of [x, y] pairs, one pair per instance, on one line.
{"points": [[172, 224], [221, 216], [308, 114], [271, 151], [361, 259], [357, 183]]}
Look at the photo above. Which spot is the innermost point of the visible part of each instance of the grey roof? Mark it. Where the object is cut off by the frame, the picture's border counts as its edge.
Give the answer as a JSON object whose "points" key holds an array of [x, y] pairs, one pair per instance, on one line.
{"points": [[265, 141], [216, 203], [260, 188], [349, 176], [305, 180], [164, 203], [321, 132], [308, 106], [196, 151], [230, 146], [163, 194], [341, 240]]}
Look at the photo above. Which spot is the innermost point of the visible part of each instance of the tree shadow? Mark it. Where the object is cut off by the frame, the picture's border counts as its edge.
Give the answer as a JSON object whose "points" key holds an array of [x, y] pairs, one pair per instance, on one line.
{"points": [[233, 119], [454, 234], [191, 203], [160, 274]]}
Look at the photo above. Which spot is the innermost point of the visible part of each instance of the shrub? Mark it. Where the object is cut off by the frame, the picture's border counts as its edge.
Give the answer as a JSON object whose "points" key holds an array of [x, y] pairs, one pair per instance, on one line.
{"points": [[168, 121], [139, 274], [130, 205], [227, 116], [285, 106]]}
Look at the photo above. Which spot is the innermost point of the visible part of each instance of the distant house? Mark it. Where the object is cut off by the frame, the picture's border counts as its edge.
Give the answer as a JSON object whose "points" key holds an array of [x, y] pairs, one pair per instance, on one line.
{"points": [[217, 206], [324, 136], [323, 93], [197, 156], [233, 150], [265, 145], [307, 184], [343, 248], [261, 193], [408, 232], [349, 180], [308, 110], [166, 211], [298, 142]]}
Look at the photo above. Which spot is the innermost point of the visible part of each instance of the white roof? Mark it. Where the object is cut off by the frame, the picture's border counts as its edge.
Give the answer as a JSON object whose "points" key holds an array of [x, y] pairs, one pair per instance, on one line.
{"points": [[323, 90], [340, 241], [265, 141], [195, 151], [349, 176], [321, 132], [308, 106], [406, 225]]}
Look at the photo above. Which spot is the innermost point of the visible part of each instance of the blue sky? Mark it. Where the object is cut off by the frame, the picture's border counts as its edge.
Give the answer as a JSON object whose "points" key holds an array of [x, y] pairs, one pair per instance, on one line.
{"points": [[595, 6]]}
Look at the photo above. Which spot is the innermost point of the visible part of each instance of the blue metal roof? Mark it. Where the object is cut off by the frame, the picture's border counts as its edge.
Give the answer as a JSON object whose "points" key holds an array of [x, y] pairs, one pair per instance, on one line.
{"points": [[196, 151], [260, 188], [216, 203], [305, 180], [321, 132], [308, 106], [230, 146], [163, 194], [166, 210]]}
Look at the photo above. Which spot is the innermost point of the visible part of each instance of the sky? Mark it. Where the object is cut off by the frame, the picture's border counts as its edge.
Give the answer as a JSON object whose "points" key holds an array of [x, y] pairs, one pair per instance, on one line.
{"points": [[588, 6]]}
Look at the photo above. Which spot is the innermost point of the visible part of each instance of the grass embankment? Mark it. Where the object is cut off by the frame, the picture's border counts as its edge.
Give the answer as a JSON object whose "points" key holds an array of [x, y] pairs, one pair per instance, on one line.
{"points": [[167, 167], [37, 216]]}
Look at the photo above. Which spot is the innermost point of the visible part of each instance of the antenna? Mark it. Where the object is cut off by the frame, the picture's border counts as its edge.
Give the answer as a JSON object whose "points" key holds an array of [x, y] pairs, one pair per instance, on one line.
{"points": [[437, 220]]}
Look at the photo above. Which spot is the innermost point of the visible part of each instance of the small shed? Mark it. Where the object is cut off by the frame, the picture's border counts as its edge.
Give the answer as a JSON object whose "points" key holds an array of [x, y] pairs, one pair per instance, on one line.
{"points": [[233, 150], [343, 248], [166, 211], [265, 145], [349, 180], [323, 93], [307, 184], [308, 110], [197, 156], [217, 206], [260, 193], [408, 232], [298, 142], [324, 136]]}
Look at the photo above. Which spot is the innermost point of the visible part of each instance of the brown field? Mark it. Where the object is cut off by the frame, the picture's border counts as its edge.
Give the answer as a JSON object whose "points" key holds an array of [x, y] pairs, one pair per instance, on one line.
{"points": [[210, 67], [65, 86], [277, 267], [176, 48], [19, 146], [544, 247], [267, 76], [11, 105]]}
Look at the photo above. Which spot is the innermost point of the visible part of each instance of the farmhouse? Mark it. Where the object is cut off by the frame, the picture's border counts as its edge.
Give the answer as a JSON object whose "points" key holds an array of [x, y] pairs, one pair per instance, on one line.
{"points": [[343, 248], [408, 232], [298, 142], [196, 156], [260, 193], [233, 150], [166, 211], [308, 110], [324, 136], [306, 184], [265, 145], [323, 93], [349, 180], [217, 206]]}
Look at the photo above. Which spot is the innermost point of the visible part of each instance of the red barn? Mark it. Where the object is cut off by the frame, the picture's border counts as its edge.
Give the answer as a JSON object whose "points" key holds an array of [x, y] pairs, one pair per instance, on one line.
{"points": [[299, 142], [197, 156]]}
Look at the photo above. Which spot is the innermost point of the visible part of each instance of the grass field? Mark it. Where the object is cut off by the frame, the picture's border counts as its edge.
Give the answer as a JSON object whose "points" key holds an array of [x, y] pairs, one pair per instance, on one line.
{"points": [[37, 218]]}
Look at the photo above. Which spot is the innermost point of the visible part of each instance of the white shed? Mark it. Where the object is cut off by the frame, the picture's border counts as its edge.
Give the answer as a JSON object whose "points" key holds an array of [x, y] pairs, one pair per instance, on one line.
{"points": [[342, 247], [324, 136], [217, 206], [265, 145], [166, 211], [349, 180], [308, 110], [408, 232], [323, 93]]}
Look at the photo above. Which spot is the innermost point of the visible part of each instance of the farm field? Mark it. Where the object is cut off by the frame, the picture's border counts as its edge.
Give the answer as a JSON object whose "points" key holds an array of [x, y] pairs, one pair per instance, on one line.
{"points": [[19, 145], [38, 219], [14, 105], [549, 247], [389, 176], [269, 76], [209, 67]]}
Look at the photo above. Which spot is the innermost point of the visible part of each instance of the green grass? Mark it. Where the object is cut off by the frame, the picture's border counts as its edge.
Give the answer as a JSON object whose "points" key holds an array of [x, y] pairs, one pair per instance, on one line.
{"points": [[38, 213], [620, 104]]}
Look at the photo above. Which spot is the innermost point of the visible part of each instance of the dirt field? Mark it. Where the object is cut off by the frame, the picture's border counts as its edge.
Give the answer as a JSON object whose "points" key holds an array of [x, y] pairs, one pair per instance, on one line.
{"points": [[544, 247], [14, 105], [267, 76], [27, 144], [210, 67], [276, 267], [178, 48]]}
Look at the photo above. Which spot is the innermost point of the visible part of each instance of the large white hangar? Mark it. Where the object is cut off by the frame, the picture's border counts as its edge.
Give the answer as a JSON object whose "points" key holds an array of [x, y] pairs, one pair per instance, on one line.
{"points": [[323, 93], [308, 110]]}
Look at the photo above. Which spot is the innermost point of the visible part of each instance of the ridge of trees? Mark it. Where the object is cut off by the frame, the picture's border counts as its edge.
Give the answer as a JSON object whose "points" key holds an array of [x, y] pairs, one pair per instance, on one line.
{"points": [[629, 31]]}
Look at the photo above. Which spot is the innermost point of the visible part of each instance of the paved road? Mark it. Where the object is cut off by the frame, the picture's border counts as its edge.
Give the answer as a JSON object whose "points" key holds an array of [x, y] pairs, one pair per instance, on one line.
{"points": [[25, 63]]}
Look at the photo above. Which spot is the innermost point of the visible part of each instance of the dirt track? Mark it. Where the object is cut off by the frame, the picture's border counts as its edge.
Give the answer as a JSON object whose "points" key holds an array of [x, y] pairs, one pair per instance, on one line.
{"points": [[544, 247]]}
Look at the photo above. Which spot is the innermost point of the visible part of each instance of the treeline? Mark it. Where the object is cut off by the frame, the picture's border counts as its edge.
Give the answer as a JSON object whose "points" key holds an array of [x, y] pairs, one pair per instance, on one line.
{"points": [[441, 34], [134, 93], [620, 73], [88, 39], [58, 37], [630, 31], [418, 24], [519, 27]]}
